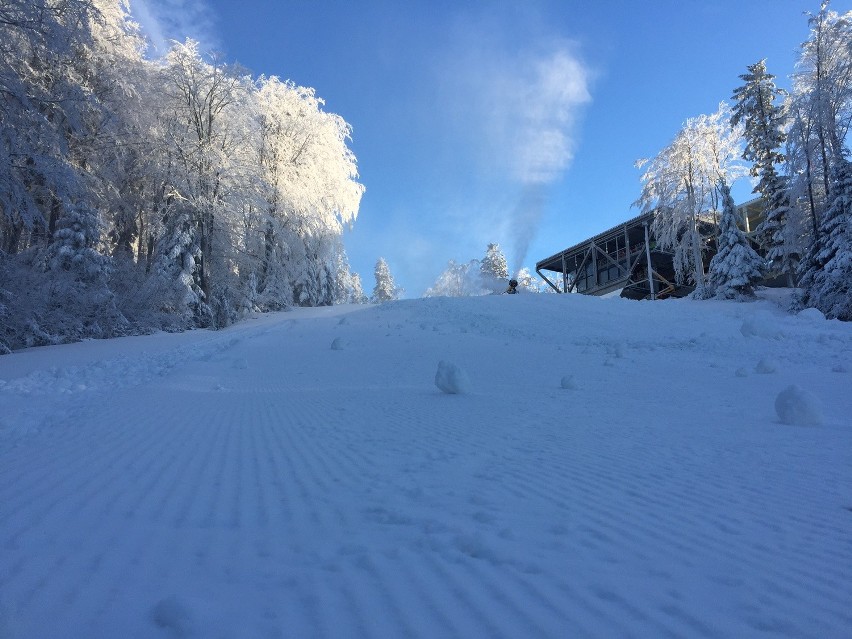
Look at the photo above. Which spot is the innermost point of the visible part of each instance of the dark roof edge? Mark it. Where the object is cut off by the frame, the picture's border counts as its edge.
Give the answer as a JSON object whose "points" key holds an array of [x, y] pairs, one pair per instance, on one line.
{"points": [[571, 249]]}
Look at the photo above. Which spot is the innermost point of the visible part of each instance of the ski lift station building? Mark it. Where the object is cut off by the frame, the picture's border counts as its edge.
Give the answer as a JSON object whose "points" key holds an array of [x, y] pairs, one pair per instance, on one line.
{"points": [[627, 258]]}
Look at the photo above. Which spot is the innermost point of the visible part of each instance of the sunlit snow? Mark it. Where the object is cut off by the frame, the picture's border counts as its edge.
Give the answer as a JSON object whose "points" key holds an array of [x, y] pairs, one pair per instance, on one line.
{"points": [[613, 469]]}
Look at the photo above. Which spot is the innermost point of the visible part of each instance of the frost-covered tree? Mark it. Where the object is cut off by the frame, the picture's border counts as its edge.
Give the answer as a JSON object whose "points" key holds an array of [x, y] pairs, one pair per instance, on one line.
{"points": [[461, 280], [310, 192], [821, 109], [141, 194], [493, 269], [755, 106], [736, 268], [494, 262], [530, 283], [680, 187], [205, 139], [827, 281], [349, 289], [385, 289], [41, 108]]}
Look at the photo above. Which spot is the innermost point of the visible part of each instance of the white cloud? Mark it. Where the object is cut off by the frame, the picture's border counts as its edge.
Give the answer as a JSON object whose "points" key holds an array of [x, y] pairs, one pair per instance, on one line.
{"points": [[165, 20]]}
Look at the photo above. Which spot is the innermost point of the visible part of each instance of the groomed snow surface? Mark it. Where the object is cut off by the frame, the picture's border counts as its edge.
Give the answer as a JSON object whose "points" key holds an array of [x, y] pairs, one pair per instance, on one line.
{"points": [[591, 468]]}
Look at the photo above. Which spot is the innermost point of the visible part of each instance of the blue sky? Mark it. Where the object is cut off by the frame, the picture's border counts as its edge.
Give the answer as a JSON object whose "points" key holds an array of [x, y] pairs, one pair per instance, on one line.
{"points": [[510, 122]]}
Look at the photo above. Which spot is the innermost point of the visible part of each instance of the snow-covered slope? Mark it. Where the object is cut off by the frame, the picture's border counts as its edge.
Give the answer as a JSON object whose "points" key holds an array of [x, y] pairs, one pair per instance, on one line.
{"points": [[609, 469]]}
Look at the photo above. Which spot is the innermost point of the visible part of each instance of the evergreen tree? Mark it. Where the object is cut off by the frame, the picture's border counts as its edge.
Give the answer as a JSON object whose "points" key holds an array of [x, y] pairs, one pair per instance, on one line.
{"points": [[493, 270], [763, 121], [827, 279], [736, 268], [494, 265], [385, 289]]}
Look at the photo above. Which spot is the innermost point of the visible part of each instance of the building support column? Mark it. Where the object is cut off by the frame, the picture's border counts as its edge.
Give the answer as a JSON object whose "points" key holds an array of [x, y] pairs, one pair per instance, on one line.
{"points": [[648, 258]]}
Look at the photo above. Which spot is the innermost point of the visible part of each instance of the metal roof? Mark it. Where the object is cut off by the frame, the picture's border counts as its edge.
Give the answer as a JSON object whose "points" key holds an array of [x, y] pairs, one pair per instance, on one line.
{"points": [[558, 256]]}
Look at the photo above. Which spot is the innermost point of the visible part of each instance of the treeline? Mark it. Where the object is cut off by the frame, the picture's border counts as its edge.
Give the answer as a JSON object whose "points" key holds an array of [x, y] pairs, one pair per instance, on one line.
{"points": [[140, 194], [795, 145]]}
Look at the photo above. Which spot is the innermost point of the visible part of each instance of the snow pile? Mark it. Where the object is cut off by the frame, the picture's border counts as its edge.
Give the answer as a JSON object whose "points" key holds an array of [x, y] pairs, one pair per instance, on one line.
{"points": [[568, 383], [766, 366], [811, 315], [451, 379], [798, 407], [761, 324]]}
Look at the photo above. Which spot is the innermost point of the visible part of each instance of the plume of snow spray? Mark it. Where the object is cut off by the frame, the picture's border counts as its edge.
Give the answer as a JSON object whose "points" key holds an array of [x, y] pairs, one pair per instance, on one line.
{"points": [[525, 217], [553, 89]]}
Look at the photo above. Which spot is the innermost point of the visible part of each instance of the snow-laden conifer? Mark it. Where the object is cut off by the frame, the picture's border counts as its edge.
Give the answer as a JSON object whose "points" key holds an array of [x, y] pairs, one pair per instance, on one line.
{"points": [[736, 268], [755, 106], [493, 269], [827, 280], [385, 289], [494, 262]]}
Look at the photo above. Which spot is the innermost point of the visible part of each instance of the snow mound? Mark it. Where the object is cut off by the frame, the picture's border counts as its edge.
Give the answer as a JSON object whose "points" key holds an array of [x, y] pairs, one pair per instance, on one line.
{"points": [[763, 325], [451, 379], [337, 344], [798, 407], [766, 366], [568, 383], [172, 614], [811, 314]]}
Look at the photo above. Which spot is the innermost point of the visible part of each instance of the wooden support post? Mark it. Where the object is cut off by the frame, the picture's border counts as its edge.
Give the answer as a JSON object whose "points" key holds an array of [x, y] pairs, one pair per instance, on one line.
{"points": [[648, 257]]}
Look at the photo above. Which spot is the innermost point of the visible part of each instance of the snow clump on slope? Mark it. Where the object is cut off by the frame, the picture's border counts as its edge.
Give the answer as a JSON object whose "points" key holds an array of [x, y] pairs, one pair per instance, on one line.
{"points": [[451, 379], [798, 407]]}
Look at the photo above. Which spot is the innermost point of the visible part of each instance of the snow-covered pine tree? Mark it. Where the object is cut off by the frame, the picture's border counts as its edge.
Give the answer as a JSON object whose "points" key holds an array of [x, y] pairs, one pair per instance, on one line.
{"points": [[827, 281], [736, 268], [493, 269], [385, 289], [494, 262], [764, 120], [176, 267]]}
